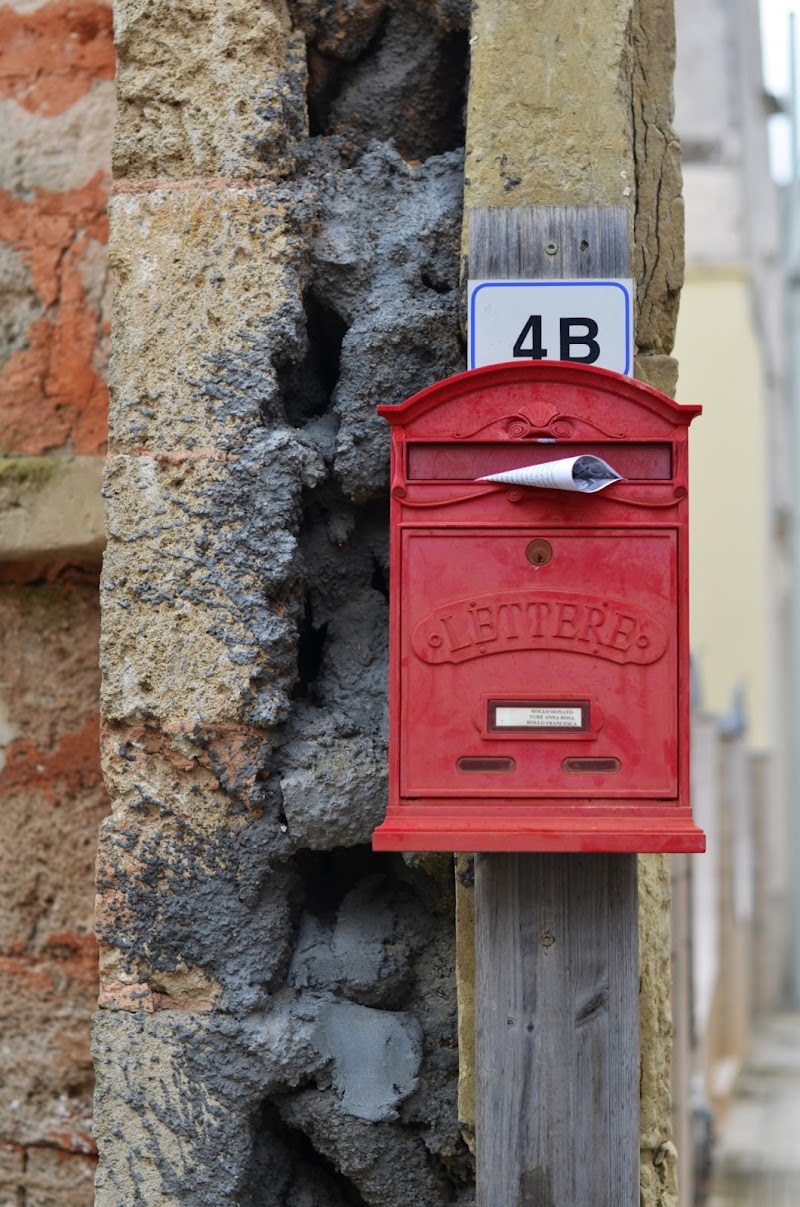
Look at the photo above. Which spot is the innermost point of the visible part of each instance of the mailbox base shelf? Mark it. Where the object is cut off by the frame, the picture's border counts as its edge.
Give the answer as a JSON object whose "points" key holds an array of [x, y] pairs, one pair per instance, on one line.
{"points": [[423, 828]]}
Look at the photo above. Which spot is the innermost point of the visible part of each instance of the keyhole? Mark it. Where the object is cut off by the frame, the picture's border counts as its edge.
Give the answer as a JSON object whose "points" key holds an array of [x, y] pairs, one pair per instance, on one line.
{"points": [[539, 552]]}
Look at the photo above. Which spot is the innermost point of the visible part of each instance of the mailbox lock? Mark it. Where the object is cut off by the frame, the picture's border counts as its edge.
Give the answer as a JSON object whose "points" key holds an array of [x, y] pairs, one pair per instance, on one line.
{"points": [[539, 552]]}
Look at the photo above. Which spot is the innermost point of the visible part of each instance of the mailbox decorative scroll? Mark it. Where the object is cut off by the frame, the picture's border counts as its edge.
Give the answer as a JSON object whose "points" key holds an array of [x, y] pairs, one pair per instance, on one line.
{"points": [[539, 657]]}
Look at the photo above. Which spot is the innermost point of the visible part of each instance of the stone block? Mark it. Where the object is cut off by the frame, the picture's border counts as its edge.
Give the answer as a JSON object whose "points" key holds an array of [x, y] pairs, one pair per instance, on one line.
{"points": [[200, 587], [208, 88], [207, 302], [50, 507], [661, 372], [542, 141], [203, 777]]}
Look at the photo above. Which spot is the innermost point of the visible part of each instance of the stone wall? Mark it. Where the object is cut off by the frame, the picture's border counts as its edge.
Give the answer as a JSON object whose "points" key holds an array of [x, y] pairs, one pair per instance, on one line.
{"points": [[285, 237], [56, 114], [285, 241]]}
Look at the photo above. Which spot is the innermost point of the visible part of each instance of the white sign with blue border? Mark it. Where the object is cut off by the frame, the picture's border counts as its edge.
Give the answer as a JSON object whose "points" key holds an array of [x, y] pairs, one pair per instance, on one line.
{"points": [[586, 322]]}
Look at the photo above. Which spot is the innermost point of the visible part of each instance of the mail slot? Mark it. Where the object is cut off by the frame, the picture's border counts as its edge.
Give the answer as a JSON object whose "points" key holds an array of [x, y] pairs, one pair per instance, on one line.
{"points": [[539, 657]]}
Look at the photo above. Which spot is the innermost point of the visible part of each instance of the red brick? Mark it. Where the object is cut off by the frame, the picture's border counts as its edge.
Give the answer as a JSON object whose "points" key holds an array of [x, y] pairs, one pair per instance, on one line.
{"points": [[52, 394], [49, 57]]}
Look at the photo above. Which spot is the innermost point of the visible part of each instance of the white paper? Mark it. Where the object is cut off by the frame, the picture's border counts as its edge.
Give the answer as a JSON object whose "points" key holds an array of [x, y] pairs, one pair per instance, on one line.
{"points": [[539, 716], [585, 473]]}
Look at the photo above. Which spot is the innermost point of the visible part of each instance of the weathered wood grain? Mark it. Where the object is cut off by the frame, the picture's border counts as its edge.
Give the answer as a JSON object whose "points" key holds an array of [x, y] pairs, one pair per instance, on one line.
{"points": [[557, 1036], [548, 242]]}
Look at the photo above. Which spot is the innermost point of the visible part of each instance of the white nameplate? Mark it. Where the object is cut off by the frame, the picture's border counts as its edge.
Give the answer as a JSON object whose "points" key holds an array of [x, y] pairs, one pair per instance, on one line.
{"points": [[539, 717], [586, 322]]}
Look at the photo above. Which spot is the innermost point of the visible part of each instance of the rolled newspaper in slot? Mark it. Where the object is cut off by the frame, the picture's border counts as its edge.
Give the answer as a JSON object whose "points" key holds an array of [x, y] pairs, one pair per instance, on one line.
{"points": [[585, 473]]}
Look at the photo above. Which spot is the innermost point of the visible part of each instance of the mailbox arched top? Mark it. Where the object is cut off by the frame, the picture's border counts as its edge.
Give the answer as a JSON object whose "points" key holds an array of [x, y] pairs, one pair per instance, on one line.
{"points": [[576, 391]]}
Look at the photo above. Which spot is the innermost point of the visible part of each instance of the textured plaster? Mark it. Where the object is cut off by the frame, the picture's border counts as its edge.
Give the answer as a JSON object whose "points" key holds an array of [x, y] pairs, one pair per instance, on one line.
{"points": [[53, 394], [59, 151], [79, 34], [56, 114]]}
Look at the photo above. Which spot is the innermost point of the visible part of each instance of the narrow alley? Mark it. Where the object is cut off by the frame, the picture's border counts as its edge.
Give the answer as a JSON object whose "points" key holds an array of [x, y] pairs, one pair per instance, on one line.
{"points": [[758, 1150]]}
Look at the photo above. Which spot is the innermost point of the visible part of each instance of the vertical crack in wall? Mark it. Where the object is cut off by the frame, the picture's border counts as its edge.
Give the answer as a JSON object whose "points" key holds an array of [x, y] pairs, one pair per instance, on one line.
{"points": [[307, 385]]}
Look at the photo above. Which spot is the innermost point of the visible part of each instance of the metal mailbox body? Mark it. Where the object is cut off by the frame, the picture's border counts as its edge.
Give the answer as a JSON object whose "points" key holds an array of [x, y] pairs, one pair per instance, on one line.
{"points": [[539, 655]]}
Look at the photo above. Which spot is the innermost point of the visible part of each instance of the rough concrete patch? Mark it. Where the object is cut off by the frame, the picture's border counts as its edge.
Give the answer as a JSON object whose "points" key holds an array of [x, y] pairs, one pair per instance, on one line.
{"points": [[389, 1165], [386, 260], [333, 759], [335, 793], [174, 1091], [170, 897], [284, 1170], [342, 29], [207, 89], [367, 955], [410, 90], [401, 346], [376, 1058], [384, 224], [345, 551], [354, 672]]}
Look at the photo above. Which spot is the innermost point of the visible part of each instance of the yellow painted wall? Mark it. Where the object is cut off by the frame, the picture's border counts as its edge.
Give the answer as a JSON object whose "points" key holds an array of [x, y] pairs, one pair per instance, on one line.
{"points": [[720, 368]]}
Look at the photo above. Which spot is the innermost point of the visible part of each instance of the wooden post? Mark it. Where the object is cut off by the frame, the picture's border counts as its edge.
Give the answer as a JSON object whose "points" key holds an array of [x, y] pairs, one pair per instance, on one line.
{"points": [[557, 1035], [556, 936]]}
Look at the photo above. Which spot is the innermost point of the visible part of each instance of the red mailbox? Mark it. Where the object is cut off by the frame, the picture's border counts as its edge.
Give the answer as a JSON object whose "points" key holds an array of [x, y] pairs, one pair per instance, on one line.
{"points": [[539, 654]]}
